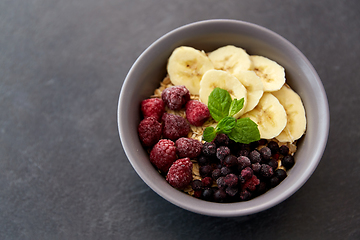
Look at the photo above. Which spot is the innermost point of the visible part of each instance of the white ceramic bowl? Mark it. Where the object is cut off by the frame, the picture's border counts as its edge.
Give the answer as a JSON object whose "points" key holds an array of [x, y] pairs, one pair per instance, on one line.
{"points": [[150, 68]]}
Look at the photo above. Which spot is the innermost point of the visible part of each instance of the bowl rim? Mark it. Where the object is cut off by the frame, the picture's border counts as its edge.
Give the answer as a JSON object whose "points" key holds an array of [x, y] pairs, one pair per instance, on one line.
{"points": [[227, 209]]}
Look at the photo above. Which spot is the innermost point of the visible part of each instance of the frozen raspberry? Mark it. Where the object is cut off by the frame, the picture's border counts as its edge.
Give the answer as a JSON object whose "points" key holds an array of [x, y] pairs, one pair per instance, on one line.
{"points": [[149, 130], [188, 147], [251, 183], [174, 126], [153, 107], [163, 154], [247, 173], [180, 173], [175, 97], [196, 112]]}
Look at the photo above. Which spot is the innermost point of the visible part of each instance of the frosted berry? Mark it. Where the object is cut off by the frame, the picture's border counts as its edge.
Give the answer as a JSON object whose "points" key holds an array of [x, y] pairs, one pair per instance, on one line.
{"points": [[205, 171], [243, 162], [231, 180], [265, 153], [222, 152], [219, 195], [153, 107], [209, 149], [163, 154], [207, 181], [221, 182], [216, 173], [188, 147], [225, 171], [244, 195], [254, 156], [196, 112], [273, 163], [174, 126], [180, 173], [251, 183], [149, 130], [266, 170], [256, 167], [221, 139], [175, 97], [230, 161], [247, 173], [231, 191]]}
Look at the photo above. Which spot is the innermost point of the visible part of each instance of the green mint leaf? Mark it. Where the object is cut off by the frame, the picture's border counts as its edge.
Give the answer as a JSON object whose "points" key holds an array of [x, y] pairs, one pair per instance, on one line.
{"points": [[236, 106], [245, 131], [209, 134], [226, 125], [219, 103]]}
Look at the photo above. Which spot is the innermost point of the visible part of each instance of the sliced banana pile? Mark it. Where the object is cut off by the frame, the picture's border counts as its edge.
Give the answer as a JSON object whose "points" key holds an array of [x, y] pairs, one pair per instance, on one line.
{"points": [[268, 100]]}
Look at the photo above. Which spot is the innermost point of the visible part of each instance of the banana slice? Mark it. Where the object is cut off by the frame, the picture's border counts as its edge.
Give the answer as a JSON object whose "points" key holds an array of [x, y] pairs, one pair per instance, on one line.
{"points": [[229, 58], [296, 119], [224, 80], [186, 66], [269, 115], [253, 85], [271, 73]]}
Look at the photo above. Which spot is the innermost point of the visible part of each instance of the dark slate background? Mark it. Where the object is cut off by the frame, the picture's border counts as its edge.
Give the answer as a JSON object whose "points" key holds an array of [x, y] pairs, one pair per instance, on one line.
{"points": [[63, 172]]}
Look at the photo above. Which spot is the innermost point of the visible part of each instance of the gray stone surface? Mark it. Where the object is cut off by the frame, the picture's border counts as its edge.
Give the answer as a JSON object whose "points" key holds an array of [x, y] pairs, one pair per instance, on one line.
{"points": [[63, 173]]}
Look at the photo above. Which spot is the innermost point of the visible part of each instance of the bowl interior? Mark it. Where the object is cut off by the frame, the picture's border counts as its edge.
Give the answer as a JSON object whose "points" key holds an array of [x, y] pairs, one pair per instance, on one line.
{"points": [[150, 68]]}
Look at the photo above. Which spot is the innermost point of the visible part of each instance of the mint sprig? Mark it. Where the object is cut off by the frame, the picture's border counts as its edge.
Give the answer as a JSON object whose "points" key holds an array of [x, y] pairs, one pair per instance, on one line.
{"points": [[222, 108]]}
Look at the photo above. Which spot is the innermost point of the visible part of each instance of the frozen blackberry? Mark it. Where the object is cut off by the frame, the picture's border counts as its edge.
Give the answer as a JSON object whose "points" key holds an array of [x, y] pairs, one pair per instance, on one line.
{"points": [[256, 167], [163, 154], [196, 112], [247, 173], [174, 126], [153, 107], [243, 162], [188, 147], [274, 147], [255, 156], [230, 161], [288, 161], [205, 171], [209, 149], [149, 130], [219, 195], [222, 152], [265, 153], [207, 181], [231, 180], [266, 170], [221, 182], [284, 150], [180, 173], [280, 174], [216, 173], [225, 171], [175, 97], [244, 195], [221, 139]]}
